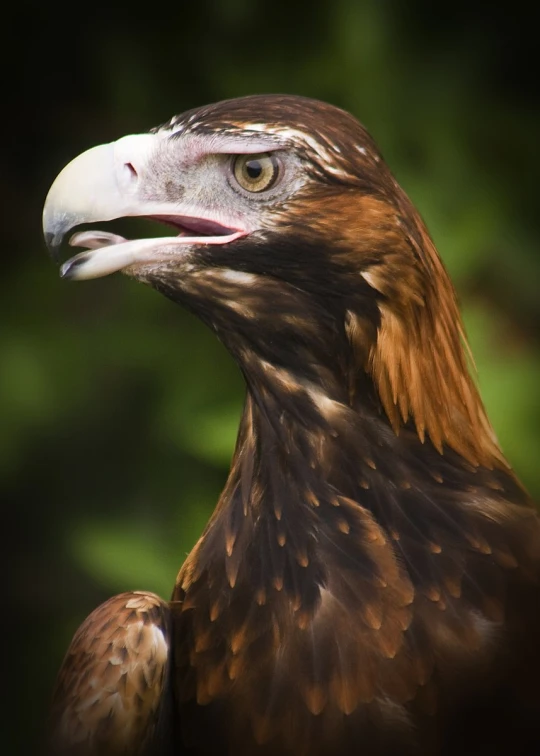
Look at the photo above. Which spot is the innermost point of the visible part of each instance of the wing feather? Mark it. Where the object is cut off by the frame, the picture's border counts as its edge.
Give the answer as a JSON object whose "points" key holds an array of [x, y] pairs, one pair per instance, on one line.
{"points": [[112, 694]]}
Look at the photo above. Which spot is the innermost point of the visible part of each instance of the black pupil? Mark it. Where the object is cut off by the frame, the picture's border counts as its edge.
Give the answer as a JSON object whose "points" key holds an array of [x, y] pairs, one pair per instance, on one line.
{"points": [[254, 169]]}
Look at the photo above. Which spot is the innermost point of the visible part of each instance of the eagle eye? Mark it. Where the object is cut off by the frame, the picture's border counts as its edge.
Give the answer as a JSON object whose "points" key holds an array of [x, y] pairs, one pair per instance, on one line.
{"points": [[255, 173]]}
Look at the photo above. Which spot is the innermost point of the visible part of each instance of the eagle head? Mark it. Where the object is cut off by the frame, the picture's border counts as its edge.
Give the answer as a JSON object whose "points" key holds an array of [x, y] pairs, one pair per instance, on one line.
{"points": [[294, 242]]}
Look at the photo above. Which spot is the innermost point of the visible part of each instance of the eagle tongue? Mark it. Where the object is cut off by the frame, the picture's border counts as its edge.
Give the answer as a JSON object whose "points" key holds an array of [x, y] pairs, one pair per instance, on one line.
{"points": [[95, 239]]}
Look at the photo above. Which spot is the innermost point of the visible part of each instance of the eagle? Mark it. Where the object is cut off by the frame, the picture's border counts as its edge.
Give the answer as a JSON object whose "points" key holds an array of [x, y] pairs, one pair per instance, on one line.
{"points": [[369, 580]]}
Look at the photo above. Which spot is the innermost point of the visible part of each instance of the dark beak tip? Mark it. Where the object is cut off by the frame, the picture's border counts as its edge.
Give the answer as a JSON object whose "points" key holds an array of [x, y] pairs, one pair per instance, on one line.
{"points": [[53, 242], [65, 271], [69, 268]]}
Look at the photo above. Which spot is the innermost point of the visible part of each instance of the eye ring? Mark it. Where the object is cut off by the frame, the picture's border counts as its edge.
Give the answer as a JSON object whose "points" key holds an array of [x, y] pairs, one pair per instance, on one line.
{"points": [[255, 173]]}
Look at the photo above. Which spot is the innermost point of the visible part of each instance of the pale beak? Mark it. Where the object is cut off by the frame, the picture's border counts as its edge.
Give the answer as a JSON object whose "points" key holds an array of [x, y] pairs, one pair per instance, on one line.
{"points": [[113, 181]]}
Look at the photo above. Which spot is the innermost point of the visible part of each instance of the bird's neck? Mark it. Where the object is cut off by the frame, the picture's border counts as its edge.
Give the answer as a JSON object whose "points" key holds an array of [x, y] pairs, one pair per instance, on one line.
{"points": [[302, 441], [308, 469]]}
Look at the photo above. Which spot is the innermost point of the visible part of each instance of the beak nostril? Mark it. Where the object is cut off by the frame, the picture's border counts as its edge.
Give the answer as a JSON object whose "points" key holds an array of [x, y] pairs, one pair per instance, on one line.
{"points": [[131, 169]]}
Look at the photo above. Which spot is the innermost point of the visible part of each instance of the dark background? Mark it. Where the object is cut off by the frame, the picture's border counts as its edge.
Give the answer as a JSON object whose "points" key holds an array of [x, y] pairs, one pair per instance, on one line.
{"points": [[118, 411]]}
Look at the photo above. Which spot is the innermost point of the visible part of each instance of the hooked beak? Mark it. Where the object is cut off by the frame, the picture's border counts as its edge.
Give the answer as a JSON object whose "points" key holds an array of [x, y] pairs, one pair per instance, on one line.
{"points": [[112, 181]]}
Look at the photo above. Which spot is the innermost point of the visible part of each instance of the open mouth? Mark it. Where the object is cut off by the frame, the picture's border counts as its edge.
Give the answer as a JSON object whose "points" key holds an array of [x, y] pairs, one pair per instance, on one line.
{"points": [[107, 183], [107, 253], [194, 227]]}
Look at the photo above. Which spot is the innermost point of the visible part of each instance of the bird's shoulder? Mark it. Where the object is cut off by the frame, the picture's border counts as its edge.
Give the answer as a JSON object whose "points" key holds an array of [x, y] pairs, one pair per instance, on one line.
{"points": [[111, 689]]}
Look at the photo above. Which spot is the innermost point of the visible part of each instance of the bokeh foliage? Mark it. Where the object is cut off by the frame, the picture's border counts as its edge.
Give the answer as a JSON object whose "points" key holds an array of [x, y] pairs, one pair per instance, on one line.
{"points": [[119, 410]]}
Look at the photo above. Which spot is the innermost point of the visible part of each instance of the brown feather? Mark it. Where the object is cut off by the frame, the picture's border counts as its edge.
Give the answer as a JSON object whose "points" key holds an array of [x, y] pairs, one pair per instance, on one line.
{"points": [[109, 697]]}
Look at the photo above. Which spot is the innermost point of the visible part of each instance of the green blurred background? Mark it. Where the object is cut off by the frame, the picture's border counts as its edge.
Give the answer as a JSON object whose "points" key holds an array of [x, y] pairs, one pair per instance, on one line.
{"points": [[118, 411]]}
